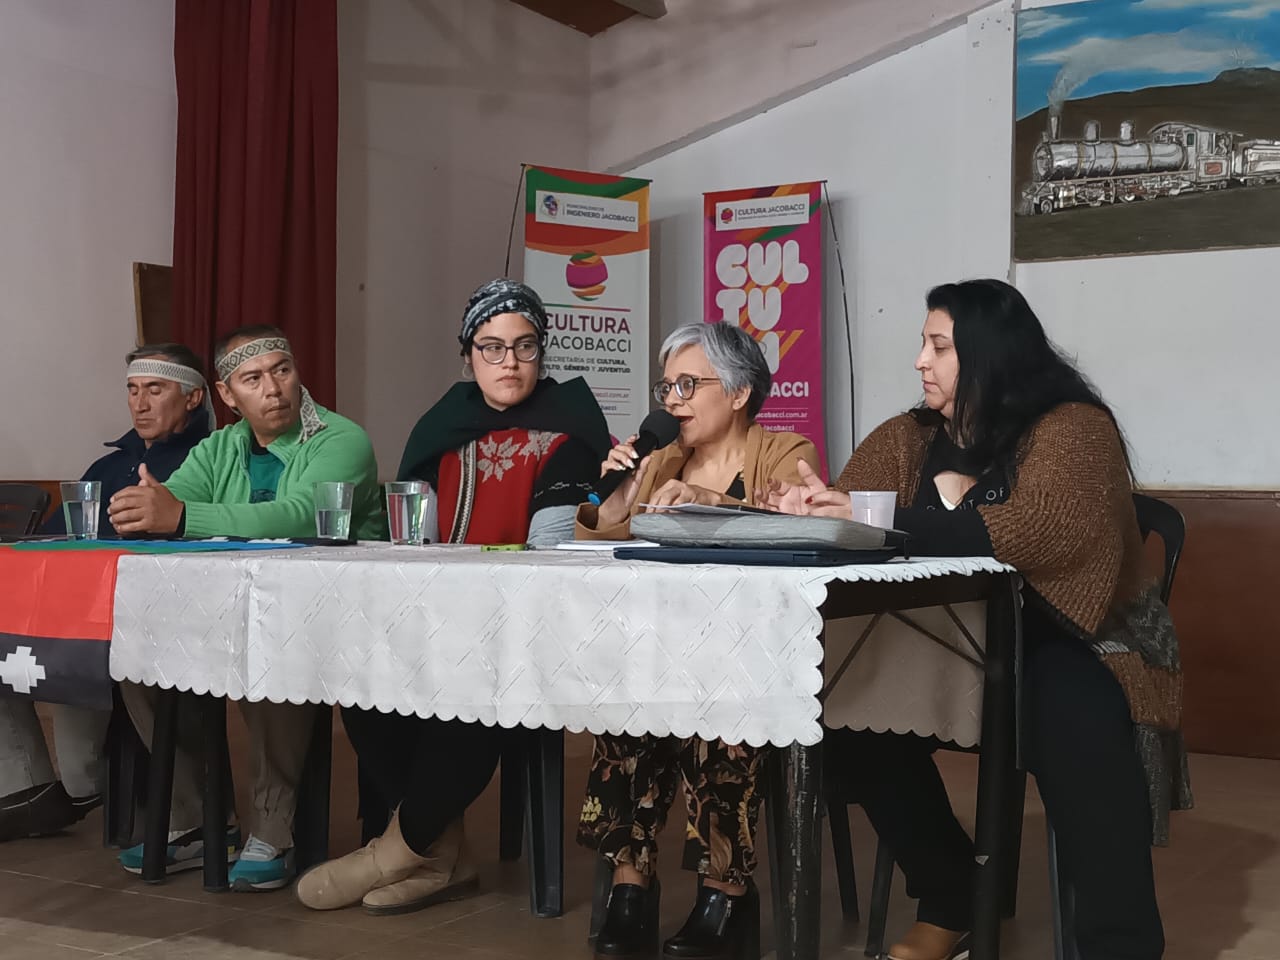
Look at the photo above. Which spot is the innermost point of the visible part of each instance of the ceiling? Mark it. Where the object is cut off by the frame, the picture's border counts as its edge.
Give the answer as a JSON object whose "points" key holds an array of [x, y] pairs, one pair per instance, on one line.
{"points": [[592, 16]]}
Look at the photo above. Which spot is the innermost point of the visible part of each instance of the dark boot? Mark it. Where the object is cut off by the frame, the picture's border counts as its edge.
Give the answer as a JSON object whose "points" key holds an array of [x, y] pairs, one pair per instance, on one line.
{"points": [[36, 812], [720, 927], [631, 921]]}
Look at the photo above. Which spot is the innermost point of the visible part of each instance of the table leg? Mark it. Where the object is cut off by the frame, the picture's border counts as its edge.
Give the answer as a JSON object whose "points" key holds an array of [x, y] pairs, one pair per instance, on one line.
{"points": [[164, 736], [995, 771], [311, 819], [794, 808], [214, 717], [544, 779]]}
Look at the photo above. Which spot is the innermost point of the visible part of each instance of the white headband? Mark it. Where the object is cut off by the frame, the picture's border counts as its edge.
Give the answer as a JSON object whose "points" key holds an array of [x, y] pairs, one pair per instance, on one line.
{"points": [[165, 370], [178, 373]]}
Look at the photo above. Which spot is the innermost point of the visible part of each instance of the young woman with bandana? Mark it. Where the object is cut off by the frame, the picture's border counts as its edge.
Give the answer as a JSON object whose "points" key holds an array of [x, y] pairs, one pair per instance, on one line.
{"points": [[511, 453]]}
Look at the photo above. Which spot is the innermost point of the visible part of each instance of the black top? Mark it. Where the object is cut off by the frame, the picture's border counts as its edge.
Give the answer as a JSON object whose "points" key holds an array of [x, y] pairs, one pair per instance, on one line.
{"points": [[738, 489], [938, 532], [119, 469]]}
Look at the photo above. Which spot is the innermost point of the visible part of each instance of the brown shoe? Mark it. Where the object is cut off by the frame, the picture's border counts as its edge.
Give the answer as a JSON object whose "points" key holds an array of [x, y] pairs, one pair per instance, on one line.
{"points": [[345, 881], [924, 941]]}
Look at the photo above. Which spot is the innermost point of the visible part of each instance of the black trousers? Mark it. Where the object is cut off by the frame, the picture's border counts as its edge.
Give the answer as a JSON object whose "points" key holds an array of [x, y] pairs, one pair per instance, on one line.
{"points": [[897, 783], [1079, 746], [432, 769]]}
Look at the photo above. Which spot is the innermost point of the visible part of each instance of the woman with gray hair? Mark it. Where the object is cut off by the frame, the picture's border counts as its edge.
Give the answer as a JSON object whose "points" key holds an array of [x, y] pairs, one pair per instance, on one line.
{"points": [[715, 380]]}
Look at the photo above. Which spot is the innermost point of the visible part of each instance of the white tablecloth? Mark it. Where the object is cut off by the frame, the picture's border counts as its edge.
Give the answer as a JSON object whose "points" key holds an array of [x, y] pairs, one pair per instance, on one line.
{"points": [[560, 639]]}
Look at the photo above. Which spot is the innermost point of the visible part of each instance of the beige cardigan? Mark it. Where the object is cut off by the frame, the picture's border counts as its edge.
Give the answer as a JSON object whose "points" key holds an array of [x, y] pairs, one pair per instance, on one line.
{"points": [[769, 456]]}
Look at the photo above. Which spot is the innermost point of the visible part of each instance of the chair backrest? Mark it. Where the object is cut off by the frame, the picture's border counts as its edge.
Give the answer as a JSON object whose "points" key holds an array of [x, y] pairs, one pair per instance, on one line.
{"points": [[1163, 519], [22, 507]]}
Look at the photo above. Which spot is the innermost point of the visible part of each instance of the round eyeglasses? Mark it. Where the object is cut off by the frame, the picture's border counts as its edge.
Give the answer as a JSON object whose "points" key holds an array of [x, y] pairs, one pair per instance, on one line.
{"points": [[526, 351], [685, 385]]}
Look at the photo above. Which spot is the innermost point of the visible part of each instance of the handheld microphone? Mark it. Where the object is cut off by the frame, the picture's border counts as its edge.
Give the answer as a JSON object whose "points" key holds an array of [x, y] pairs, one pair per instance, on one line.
{"points": [[656, 431]]}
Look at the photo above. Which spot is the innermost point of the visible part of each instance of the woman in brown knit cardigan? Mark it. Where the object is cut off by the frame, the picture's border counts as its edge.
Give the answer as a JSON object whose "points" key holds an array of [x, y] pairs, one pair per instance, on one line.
{"points": [[1013, 454]]}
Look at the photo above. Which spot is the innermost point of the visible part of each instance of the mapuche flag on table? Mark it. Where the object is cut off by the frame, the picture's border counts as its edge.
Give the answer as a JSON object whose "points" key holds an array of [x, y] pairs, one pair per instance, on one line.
{"points": [[55, 623]]}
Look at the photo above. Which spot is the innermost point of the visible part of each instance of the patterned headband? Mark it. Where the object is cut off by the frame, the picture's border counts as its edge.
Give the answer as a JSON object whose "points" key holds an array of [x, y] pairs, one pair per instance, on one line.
{"points": [[234, 359]]}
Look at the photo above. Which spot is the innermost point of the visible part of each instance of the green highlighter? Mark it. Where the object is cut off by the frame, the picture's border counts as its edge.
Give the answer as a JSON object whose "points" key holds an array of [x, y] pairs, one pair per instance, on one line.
{"points": [[505, 546]]}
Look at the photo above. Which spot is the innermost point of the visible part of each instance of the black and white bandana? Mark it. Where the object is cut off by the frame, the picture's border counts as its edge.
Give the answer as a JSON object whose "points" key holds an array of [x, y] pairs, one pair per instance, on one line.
{"points": [[502, 296]]}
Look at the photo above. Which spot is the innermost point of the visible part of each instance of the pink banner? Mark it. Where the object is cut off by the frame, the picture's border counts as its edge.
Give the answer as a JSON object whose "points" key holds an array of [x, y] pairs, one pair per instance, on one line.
{"points": [[763, 271]]}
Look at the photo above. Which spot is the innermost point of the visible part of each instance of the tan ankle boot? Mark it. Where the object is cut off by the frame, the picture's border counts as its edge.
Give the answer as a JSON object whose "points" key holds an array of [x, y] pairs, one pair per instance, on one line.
{"points": [[447, 873], [924, 941], [343, 882]]}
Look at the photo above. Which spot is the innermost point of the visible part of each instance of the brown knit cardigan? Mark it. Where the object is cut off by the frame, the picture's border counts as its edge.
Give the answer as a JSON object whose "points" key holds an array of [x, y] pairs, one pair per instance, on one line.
{"points": [[1068, 525], [1070, 529]]}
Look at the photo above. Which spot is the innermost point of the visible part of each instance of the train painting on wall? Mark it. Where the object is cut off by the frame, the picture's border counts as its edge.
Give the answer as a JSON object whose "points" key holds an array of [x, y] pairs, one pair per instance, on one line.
{"points": [[1146, 126]]}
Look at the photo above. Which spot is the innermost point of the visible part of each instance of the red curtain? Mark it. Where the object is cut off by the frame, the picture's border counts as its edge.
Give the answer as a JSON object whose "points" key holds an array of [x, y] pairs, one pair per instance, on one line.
{"points": [[255, 211]]}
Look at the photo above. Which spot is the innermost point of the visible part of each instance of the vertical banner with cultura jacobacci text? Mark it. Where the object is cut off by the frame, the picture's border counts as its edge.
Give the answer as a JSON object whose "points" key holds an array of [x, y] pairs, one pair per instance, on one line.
{"points": [[763, 271], [586, 252]]}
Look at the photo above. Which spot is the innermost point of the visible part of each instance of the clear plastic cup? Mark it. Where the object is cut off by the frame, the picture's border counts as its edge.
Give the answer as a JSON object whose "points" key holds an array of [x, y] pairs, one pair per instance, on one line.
{"points": [[411, 512], [333, 509], [81, 500], [874, 507]]}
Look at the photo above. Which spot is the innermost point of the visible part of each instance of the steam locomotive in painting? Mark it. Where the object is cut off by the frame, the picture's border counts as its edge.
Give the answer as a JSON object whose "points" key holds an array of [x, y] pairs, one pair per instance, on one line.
{"points": [[1175, 158]]}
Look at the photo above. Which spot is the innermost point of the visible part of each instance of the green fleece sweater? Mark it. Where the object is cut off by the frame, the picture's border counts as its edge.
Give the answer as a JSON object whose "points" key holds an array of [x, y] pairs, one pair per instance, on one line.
{"points": [[213, 482]]}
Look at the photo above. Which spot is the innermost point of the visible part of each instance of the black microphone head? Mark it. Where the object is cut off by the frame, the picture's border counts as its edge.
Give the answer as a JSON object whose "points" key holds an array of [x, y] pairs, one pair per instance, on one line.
{"points": [[662, 425], [657, 430]]}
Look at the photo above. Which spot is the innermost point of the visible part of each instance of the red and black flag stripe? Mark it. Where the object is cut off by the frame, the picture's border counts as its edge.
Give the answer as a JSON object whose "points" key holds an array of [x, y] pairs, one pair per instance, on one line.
{"points": [[55, 624]]}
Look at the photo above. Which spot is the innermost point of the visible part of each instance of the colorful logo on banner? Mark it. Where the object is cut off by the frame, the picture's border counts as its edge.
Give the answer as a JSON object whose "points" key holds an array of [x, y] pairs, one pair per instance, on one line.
{"points": [[587, 255], [763, 271]]}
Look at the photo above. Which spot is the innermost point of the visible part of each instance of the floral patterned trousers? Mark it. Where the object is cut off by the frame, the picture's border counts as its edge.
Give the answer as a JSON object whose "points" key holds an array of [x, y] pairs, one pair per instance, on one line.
{"points": [[633, 783]]}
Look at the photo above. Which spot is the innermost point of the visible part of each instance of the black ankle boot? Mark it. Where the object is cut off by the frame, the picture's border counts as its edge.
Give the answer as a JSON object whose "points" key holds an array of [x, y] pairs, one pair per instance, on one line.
{"points": [[630, 926], [720, 927]]}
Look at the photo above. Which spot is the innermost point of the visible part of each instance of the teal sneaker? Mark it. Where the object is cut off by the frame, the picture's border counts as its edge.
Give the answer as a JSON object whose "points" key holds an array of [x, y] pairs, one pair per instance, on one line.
{"points": [[261, 867], [185, 851]]}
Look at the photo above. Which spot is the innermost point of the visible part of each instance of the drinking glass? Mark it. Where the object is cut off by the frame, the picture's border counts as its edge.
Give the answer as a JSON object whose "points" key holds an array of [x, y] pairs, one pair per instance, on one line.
{"points": [[80, 503]]}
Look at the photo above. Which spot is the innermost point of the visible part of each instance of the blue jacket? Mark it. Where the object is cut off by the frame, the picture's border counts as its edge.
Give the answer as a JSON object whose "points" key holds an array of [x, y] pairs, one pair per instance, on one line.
{"points": [[119, 469]]}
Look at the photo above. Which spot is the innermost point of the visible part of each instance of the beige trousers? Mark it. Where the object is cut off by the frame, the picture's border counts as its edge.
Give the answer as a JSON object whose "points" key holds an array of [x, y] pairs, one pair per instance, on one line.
{"points": [[279, 735]]}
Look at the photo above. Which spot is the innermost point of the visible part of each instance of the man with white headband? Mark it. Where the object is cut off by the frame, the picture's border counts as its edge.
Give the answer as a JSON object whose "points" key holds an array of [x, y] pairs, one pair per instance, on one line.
{"points": [[253, 479], [168, 401]]}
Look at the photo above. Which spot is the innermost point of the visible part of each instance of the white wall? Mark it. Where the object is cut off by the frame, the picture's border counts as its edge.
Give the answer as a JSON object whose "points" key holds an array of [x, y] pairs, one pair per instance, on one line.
{"points": [[1181, 346], [658, 84], [440, 102], [88, 116], [911, 204]]}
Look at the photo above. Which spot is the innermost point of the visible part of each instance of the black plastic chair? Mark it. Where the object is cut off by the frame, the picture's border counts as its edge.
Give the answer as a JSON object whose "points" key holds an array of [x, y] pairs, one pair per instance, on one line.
{"points": [[127, 768], [1164, 520], [22, 507], [1154, 516]]}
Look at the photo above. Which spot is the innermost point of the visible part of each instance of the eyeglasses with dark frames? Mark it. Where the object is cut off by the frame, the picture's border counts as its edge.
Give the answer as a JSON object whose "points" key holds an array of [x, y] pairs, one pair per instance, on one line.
{"points": [[495, 352], [684, 385]]}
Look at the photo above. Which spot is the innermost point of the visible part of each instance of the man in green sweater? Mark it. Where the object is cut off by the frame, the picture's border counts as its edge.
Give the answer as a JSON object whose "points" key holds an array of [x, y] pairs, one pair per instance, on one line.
{"points": [[252, 479]]}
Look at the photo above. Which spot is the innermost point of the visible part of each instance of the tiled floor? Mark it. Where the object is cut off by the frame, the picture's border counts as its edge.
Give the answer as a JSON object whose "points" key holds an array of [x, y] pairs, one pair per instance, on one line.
{"points": [[64, 898]]}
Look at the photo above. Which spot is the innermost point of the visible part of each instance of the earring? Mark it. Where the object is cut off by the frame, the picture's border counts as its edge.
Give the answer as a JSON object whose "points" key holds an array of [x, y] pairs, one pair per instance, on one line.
{"points": [[468, 372]]}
